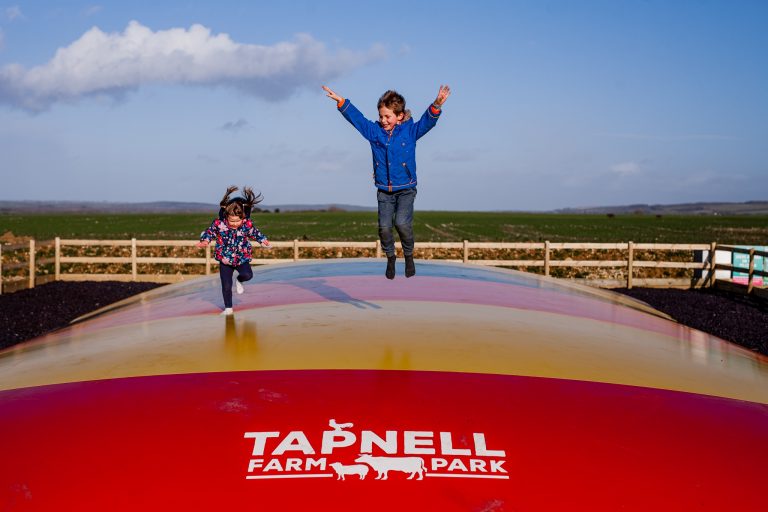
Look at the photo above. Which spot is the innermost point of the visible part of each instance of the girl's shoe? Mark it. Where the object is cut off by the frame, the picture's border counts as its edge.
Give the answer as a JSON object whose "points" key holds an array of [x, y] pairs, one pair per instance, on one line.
{"points": [[227, 312], [238, 287]]}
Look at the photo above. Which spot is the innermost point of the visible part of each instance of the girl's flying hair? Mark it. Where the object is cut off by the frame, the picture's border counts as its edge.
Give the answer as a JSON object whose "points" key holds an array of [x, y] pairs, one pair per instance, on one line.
{"points": [[251, 198], [225, 200], [395, 102], [239, 206]]}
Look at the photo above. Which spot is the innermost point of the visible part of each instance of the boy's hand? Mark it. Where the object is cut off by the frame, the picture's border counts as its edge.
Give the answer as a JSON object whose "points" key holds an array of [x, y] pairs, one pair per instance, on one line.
{"points": [[442, 95], [335, 97], [265, 244], [202, 243]]}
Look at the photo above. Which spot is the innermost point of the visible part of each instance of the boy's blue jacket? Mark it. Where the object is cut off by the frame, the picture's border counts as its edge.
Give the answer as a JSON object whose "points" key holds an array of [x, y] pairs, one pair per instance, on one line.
{"points": [[394, 155]]}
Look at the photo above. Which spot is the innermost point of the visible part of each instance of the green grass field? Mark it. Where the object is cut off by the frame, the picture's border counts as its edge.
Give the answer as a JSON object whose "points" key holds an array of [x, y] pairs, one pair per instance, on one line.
{"points": [[430, 226]]}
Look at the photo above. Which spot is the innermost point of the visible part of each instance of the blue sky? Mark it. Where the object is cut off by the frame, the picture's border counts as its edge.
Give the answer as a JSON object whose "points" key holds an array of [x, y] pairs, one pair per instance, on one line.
{"points": [[554, 104]]}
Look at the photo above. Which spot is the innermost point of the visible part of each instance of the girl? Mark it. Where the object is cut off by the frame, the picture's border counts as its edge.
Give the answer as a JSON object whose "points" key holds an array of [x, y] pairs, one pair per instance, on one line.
{"points": [[233, 246], [393, 143]]}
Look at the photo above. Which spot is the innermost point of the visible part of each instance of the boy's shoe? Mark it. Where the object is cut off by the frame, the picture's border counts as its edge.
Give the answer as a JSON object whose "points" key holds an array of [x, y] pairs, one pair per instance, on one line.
{"points": [[390, 273], [239, 287], [227, 312], [410, 267]]}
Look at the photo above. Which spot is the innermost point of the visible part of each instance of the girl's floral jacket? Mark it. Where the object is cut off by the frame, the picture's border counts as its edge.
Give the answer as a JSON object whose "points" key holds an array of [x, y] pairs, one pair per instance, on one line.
{"points": [[233, 245]]}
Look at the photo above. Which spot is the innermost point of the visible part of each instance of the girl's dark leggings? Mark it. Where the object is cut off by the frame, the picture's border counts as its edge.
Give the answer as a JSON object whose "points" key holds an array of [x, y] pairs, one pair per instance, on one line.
{"points": [[225, 273]]}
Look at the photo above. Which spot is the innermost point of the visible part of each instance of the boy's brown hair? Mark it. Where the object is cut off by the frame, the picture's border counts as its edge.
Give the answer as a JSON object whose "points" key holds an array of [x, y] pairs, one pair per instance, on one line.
{"points": [[395, 102]]}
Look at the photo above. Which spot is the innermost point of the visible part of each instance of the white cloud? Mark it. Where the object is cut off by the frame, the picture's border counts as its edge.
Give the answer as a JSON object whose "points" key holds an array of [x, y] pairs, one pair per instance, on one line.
{"points": [[13, 13], [208, 159], [626, 168], [93, 9], [710, 179], [458, 155], [101, 64], [325, 159], [670, 138], [235, 126]]}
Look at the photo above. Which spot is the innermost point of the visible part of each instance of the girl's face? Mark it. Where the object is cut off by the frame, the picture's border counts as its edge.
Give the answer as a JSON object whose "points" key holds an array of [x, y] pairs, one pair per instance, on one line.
{"points": [[234, 221], [388, 119]]}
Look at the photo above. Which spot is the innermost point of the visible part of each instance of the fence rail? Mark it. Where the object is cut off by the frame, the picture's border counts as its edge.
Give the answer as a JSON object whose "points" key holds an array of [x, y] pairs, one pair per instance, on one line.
{"points": [[704, 269]]}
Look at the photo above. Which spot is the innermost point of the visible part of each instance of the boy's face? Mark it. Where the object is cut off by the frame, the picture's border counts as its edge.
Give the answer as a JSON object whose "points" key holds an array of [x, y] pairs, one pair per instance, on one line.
{"points": [[388, 118], [234, 221]]}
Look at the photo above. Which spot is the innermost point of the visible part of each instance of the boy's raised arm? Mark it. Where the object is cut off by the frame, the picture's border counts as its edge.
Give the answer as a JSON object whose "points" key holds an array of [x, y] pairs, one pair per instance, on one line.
{"points": [[430, 116], [335, 97], [442, 95], [351, 114]]}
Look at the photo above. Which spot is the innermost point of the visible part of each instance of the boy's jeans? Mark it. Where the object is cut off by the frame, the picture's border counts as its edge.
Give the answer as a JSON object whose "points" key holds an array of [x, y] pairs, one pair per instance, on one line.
{"points": [[396, 209]]}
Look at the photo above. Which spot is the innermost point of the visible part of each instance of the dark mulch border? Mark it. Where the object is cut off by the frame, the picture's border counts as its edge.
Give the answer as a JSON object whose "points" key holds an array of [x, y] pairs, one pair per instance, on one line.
{"points": [[737, 318], [30, 313]]}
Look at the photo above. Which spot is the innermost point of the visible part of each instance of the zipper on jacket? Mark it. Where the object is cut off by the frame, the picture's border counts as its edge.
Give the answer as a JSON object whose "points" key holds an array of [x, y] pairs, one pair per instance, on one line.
{"points": [[386, 152], [408, 171]]}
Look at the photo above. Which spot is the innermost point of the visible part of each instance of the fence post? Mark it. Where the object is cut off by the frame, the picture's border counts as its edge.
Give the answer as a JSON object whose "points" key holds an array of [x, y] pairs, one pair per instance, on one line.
{"points": [[295, 250], [711, 276], [32, 263], [630, 259], [378, 248], [208, 259], [546, 257], [466, 251], [133, 260], [751, 269], [57, 260]]}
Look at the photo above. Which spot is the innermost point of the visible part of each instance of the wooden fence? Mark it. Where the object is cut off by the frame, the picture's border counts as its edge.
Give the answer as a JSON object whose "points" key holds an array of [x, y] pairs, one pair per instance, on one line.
{"points": [[704, 269]]}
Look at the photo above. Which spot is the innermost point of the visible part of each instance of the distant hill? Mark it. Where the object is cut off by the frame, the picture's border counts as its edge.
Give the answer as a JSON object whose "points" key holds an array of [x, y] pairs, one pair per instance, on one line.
{"points": [[318, 207], [27, 207], [103, 207], [152, 207], [746, 208]]}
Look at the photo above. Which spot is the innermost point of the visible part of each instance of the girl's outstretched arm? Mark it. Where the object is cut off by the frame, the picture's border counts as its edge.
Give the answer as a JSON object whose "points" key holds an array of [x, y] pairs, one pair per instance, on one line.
{"points": [[253, 233], [209, 234], [442, 95], [335, 97]]}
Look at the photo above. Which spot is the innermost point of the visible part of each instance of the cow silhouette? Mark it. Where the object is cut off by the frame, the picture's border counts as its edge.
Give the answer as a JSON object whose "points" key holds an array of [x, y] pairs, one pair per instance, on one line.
{"points": [[382, 465], [354, 469]]}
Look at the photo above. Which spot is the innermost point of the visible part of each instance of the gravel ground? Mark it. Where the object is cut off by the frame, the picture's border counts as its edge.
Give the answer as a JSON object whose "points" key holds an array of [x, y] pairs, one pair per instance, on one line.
{"points": [[737, 318], [30, 313]]}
